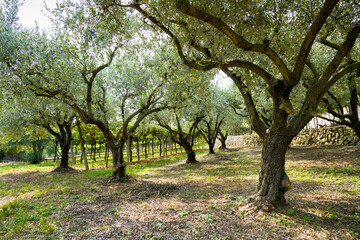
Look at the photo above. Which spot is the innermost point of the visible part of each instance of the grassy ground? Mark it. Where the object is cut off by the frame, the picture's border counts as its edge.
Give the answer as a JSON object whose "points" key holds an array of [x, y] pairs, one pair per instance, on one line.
{"points": [[168, 199]]}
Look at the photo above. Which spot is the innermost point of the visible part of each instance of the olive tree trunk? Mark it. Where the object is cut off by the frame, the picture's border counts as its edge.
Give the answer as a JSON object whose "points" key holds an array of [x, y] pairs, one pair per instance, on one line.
{"points": [[65, 148], [273, 181], [222, 138], [119, 165], [211, 148], [191, 156]]}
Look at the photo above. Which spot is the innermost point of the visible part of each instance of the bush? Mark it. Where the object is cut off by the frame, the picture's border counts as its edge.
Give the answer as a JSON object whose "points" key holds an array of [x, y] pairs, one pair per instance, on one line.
{"points": [[34, 157]]}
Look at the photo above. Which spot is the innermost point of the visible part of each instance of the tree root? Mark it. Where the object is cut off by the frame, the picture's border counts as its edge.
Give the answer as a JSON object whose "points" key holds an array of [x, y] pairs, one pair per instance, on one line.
{"points": [[124, 179], [255, 205], [224, 149], [192, 162]]}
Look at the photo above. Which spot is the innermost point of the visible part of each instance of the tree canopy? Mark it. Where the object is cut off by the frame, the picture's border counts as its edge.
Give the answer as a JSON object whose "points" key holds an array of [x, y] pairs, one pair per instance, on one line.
{"points": [[277, 42], [116, 62]]}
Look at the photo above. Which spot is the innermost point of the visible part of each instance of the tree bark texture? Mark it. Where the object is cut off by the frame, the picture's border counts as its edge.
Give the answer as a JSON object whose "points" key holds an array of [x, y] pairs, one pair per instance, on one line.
{"points": [[211, 148], [128, 150], [64, 163], [191, 156], [273, 181], [106, 155], [222, 138], [223, 144], [119, 165], [83, 149]]}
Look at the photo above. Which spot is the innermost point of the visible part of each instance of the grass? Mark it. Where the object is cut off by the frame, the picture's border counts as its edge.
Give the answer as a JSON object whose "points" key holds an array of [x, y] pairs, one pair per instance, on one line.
{"points": [[17, 215], [183, 213], [35, 203], [323, 174]]}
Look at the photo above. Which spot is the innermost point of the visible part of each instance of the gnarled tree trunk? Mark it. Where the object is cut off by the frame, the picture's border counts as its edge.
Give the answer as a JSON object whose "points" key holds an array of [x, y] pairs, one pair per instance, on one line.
{"points": [[119, 165], [65, 148], [65, 143], [222, 138], [273, 181], [211, 148], [191, 156], [64, 137]]}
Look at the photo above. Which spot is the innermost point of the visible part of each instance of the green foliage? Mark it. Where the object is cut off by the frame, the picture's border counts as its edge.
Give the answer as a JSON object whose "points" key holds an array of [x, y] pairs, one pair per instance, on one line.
{"points": [[111, 210], [208, 217], [183, 213], [27, 145], [110, 87], [290, 211], [34, 157], [238, 199]]}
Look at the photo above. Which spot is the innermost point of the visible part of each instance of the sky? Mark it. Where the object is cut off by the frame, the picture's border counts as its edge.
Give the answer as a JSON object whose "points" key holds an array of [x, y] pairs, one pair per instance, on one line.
{"points": [[222, 80], [34, 11]]}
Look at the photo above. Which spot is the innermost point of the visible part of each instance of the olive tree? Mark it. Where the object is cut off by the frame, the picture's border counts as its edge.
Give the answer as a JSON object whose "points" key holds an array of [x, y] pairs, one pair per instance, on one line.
{"points": [[182, 129], [235, 120], [275, 41], [82, 67], [20, 105], [216, 111], [27, 110], [100, 69]]}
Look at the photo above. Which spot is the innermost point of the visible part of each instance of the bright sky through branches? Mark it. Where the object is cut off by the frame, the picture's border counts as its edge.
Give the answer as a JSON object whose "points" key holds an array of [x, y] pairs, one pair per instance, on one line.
{"points": [[33, 11]]}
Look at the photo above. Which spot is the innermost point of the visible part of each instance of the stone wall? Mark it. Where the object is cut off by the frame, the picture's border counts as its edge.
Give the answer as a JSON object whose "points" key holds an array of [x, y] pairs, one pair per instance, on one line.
{"points": [[320, 136], [327, 136], [243, 140]]}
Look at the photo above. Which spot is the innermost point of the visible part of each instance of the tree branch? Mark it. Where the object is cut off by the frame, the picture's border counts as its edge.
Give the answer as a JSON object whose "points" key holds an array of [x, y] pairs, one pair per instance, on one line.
{"points": [[102, 67], [335, 121], [205, 66], [51, 131], [327, 79], [305, 48], [257, 125], [185, 7], [332, 111], [336, 100], [329, 44], [153, 92], [339, 74], [314, 96], [142, 116]]}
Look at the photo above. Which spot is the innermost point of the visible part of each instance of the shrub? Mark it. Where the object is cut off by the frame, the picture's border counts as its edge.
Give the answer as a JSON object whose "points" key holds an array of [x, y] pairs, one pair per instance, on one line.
{"points": [[34, 157]]}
